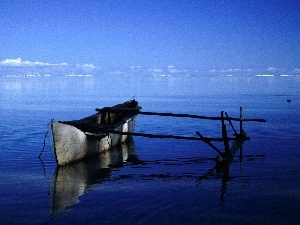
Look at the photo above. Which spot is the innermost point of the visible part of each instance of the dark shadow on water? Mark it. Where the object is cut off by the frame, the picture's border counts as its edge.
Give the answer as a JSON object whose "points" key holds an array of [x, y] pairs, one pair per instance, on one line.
{"points": [[72, 181]]}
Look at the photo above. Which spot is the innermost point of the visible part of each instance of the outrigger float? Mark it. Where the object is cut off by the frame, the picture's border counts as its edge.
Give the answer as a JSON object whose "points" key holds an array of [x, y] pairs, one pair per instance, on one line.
{"points": [[110, 126]]}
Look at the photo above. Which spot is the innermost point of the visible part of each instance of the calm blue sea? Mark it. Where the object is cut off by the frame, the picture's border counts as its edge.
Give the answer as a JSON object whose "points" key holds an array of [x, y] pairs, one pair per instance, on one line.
{"points": [[164, 181]]}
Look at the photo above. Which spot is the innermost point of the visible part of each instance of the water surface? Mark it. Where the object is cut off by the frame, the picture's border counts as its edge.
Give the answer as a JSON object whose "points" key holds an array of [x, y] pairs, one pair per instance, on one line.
{"points": [[153, 181]]}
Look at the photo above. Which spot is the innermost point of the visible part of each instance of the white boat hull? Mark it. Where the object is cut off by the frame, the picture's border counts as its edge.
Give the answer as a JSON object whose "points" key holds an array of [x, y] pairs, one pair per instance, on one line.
{"points": [[72, 144]]}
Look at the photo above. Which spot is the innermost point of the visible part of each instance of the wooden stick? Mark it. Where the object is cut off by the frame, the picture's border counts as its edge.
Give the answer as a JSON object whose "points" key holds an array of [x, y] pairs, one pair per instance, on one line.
{"points": [[231, 124], [137, 111], [224, 134], [166, 136], [209, 143], [241, 120], [241, 133]]}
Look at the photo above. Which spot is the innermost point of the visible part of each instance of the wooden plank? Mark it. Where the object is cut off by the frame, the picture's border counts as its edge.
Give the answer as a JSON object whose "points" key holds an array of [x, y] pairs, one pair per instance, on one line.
{"points": [[136, 111]]}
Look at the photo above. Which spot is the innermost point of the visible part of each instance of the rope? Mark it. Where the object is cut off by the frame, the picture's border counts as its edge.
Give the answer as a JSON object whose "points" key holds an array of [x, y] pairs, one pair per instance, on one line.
{"points": [[43, 165], [44, 145]]}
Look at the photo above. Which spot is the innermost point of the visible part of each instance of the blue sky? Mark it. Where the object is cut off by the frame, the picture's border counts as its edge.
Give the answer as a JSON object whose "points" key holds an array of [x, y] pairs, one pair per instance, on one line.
{"points": [[204, 35]]}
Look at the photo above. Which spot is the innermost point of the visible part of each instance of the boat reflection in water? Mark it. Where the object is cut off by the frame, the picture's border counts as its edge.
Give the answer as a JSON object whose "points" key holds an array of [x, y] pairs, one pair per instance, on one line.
{"points": [[72, 181]]}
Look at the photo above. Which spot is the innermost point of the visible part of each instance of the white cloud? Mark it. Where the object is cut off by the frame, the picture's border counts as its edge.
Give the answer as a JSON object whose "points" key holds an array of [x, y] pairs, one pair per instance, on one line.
{"points": [[172, 70], [225, 71], [135, 67], [296, 70], [20, 62], [156, 70], [118, 72], [86, 66], [22, 67], [11, 62], [231, 70], [271, 69]]}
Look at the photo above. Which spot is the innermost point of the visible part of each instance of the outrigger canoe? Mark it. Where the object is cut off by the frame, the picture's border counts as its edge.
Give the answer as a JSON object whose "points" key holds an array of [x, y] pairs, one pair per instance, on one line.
{"points": [[78, 139]]}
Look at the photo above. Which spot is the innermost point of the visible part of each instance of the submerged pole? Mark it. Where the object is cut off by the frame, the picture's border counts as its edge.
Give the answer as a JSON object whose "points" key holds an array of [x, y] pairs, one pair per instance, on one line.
{"points": [[241, 131], [224, 134]]}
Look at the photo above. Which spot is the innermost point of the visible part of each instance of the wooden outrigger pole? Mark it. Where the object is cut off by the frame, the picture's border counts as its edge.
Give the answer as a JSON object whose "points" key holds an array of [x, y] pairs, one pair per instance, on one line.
{"points": [[167, 136], [133, 111], [224, 159], [239, 137], [241, 132]]}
